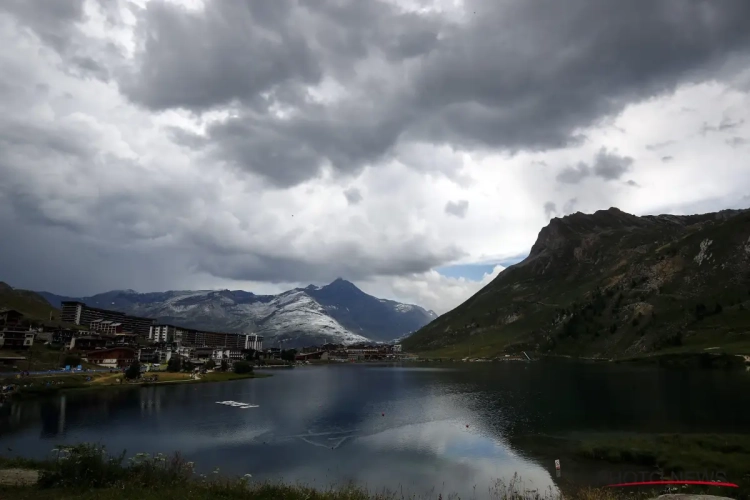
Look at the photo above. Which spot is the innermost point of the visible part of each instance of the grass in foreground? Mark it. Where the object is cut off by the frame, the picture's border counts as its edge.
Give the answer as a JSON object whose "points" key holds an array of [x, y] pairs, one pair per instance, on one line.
{"points": [[678, 455], [88, 472]]}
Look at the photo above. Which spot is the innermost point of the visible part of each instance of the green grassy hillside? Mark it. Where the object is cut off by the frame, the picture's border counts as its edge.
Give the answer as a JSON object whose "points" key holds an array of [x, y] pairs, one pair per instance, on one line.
{"points": [[31, 304], [611, 284]]}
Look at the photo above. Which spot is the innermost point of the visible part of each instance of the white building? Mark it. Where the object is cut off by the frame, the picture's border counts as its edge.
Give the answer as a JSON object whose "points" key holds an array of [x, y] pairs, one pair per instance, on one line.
{"points": [[162, 333], [397, 348], [227, 354], [254, 342]]}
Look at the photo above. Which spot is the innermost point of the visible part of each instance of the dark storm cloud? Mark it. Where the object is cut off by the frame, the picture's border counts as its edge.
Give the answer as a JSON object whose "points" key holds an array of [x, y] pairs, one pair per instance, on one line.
{"points": [[353, 195], [607, 166], [515, 75], [351, 260], [228, 51], [53, 21], [457, 208]]}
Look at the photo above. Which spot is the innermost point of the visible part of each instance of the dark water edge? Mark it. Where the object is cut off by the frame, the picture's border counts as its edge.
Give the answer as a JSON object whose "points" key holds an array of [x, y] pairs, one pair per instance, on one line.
{"points": [[446, 426]]}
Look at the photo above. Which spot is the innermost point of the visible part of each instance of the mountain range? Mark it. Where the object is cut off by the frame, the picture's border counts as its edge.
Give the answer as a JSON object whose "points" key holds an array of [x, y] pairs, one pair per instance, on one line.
{"points": [[611, 284], [338, 312]]}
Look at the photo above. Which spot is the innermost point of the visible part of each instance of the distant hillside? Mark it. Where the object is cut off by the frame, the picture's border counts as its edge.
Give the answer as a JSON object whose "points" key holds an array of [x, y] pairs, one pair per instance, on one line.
{"points": [[31, 304], [611, 284], [337, 312]]}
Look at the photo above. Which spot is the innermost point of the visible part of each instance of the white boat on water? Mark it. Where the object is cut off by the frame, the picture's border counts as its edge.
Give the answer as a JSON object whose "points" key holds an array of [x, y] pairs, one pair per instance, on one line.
{"points": [[237, 404]]}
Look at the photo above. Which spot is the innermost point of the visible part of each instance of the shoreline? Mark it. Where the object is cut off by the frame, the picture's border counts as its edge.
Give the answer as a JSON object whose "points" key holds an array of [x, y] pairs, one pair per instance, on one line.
{"points": [[42, 391], [693, 360]]}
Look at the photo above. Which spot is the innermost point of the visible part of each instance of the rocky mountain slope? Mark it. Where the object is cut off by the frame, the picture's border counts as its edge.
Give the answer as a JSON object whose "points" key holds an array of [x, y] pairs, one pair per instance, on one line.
{"points": [[339, 312], [611, 284]]}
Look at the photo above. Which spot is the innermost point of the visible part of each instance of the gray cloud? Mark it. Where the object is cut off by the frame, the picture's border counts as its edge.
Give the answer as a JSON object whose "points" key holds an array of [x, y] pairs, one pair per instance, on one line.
{"points": [[53, 22], [574, 175], [96, 195], [667, 159], [724, 125], [659, 145], [736, 142], [550, 209], [353, 195], [632, 183], [457, 208], [608, 166], [471, 88], [570, 205]]}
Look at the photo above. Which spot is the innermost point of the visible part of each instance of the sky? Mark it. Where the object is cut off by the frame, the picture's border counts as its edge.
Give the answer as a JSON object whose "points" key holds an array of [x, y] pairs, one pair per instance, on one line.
{"points": [[413, 147]]}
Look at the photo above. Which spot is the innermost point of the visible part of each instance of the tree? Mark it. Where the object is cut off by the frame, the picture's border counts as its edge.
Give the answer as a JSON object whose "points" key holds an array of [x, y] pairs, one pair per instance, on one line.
{"points": [[133, 371], [224, 365], [251, 355], [174, 364], [289, 354], [210, 364], [242, 367]]}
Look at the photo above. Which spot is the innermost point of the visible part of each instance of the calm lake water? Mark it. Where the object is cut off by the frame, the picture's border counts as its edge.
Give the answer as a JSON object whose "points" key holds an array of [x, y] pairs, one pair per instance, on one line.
{"points": [[385, 426]]}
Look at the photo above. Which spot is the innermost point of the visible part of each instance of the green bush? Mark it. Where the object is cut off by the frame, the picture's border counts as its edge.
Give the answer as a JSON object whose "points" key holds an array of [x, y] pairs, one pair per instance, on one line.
{"points": [[89, 466]]}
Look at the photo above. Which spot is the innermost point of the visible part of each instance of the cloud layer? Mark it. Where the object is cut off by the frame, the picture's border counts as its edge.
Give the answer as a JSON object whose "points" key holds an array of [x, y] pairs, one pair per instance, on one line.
{"points": [[260, 145]]}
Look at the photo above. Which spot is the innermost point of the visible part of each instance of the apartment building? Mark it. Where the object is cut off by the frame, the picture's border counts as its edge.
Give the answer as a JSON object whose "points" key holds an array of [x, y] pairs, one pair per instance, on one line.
{"points": [[190, 337], [105, 326], [162, 333], [79, 313], [16, 339]]}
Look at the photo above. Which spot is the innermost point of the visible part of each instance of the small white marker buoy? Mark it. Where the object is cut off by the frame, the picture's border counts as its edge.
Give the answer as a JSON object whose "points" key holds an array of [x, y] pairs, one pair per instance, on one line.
{"points": [[557, 464]]}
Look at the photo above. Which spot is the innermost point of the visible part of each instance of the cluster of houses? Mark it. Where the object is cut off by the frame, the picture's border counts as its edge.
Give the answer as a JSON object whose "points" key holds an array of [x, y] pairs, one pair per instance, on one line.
{"points": [[356, 352], [111, 339]]}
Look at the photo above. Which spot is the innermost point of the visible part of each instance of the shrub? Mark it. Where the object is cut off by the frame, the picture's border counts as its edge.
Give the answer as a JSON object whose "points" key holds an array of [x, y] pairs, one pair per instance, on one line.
{"points": [[89, 466], [210, 364], [133, 371], [242, 367], [174, 364]]}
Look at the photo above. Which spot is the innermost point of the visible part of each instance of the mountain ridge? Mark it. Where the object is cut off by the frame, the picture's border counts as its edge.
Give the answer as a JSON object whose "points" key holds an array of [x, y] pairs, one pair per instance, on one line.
{"points": [[337, 312], [611, 284]]}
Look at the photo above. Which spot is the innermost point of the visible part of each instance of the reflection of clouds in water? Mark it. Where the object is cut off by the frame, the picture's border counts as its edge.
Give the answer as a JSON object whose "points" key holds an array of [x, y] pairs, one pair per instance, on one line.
{"points": [[483, 458]]}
